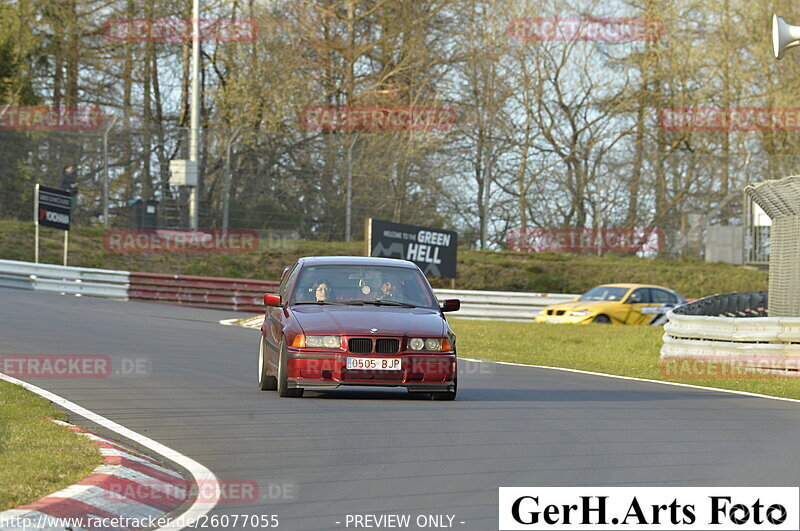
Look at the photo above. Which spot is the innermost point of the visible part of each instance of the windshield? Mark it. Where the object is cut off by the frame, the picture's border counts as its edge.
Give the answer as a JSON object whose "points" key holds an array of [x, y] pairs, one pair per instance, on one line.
{"points": [[604, 293], [381, 285]]}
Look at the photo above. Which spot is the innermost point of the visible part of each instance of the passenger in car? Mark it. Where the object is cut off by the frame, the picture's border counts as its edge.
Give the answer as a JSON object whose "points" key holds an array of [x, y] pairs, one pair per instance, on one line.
{"points": [[323, 291]]}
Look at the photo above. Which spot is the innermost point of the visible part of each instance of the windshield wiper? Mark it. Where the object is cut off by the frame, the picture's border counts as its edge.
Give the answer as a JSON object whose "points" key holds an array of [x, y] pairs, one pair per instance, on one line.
{"points": [[390, 303], [320, 303]]}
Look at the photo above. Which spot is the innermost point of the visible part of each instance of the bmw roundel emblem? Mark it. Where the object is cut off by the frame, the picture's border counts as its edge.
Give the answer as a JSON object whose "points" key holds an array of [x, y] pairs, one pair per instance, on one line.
{"points": [[373, 330]]}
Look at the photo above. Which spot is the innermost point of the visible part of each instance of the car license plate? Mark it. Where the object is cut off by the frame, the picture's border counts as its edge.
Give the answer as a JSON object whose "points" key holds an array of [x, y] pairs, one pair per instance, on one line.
{"points": [[375, 364]]}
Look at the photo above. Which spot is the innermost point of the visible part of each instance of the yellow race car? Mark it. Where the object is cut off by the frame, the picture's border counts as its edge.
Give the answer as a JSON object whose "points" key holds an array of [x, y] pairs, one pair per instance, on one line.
{"points": [[615, 303]]}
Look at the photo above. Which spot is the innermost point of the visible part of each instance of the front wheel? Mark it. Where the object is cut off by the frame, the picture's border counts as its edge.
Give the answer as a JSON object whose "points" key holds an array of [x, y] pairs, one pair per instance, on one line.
{"points": [[265, 381], [602, 319], [283, 377]]}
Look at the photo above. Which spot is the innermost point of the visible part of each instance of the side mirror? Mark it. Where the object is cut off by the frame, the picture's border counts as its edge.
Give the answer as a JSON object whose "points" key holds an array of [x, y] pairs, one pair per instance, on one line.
{"points": [[451, 305], [576, 299], [272, 299]]}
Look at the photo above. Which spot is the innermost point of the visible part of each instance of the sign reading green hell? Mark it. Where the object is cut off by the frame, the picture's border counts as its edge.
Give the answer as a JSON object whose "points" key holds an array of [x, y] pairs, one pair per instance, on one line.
{"points": [[433, 250]]}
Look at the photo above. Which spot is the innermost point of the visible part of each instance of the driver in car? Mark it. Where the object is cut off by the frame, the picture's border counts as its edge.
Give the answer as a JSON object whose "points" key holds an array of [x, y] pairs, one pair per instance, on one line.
{"points": [[323, 291], [388, 291]]}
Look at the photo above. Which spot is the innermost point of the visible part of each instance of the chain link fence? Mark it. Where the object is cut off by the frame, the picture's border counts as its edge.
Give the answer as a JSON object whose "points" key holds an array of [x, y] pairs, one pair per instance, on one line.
{"points": [[285, 182], [294, 183]]}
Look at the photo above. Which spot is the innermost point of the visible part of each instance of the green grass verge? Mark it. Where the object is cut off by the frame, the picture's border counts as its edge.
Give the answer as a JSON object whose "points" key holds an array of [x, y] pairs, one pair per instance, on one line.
{"points": [[481, 270], [621, 350], [37, 456]]}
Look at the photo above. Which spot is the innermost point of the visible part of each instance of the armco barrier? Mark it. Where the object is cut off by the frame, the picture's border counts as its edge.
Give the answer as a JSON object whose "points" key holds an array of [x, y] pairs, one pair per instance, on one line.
{"points": [[501, 305], [60, 279], [202, 292], [235, 294]]}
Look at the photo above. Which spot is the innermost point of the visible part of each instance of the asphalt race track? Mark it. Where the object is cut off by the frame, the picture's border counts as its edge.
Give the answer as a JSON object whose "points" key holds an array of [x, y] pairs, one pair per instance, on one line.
{"points": [[363, 451]]}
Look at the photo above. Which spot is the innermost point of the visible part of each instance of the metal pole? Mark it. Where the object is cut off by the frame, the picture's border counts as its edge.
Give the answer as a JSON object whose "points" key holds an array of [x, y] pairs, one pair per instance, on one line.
{"points": [[195, 104], [349, 200], [227, 195], [368, 237], [66, 246], [105, 170], [36, 222]]}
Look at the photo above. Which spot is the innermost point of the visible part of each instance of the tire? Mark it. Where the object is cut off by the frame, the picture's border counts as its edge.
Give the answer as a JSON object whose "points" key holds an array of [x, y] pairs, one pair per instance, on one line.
{"points": [[602, 319], [265, 381], [283, 377], [446, 395]]}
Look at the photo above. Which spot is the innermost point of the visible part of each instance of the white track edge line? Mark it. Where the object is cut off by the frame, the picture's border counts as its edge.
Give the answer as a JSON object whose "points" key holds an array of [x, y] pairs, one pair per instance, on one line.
{"points": [[619, 377], [199, 472]]}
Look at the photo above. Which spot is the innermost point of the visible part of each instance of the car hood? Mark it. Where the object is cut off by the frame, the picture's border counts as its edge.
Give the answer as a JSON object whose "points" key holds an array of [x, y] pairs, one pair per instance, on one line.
{"points": [[359, 320]]}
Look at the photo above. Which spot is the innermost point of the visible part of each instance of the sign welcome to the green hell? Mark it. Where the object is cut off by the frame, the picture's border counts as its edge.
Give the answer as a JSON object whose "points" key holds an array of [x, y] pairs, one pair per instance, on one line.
{"points": [[433, 250]]}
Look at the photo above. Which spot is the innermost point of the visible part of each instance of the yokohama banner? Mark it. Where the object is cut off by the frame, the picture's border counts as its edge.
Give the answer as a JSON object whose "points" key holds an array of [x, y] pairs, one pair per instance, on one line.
{"points": [[53, 207]]}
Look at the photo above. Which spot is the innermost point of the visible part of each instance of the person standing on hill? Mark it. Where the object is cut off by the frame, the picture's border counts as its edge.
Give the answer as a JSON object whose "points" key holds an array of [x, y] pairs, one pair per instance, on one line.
{"points": [[68, 180]]}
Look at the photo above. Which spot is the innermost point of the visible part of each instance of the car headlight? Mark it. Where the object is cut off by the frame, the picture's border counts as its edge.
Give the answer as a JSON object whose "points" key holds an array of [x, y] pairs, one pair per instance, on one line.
{"points": [[580, 313], [323, 341], [416, 343], [435, 344]]}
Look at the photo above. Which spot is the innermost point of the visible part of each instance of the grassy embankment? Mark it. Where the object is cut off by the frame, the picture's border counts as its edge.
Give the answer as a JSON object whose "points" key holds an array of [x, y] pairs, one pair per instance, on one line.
{"points": [[37, 456], [482, 270]]}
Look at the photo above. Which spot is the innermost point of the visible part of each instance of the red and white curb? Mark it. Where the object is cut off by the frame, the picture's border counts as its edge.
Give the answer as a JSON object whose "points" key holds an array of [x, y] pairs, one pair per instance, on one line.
{"points": [[128, 486], [247, 322]]}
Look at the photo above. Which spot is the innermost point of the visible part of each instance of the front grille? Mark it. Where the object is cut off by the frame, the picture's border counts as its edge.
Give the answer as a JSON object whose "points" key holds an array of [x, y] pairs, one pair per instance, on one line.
{"points": [[387, 346], [560, 312], [360, 345], [549, 312]]}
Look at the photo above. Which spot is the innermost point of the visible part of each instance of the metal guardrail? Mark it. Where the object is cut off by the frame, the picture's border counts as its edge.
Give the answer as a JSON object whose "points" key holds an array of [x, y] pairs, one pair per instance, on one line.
{"points": [[236, 294], [202, 292], [731, 324], [60, 279], [501, 305]]}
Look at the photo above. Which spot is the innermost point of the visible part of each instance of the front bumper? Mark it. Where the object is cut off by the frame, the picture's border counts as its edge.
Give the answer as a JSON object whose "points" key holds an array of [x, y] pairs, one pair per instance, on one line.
{"points": [[309, 369]]}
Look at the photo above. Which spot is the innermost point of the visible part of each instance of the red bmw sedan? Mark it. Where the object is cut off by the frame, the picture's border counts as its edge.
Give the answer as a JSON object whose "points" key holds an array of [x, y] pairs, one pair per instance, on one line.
{"points": [[356, 321]]}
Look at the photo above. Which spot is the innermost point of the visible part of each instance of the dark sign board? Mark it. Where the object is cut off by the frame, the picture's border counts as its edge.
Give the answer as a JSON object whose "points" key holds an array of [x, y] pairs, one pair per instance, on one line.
{"points": [[433, 250], [54, 208]]}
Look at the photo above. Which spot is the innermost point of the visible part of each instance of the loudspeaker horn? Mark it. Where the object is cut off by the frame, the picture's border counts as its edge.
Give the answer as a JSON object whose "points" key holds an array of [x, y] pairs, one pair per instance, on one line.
{"points": [[784, 36]]}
